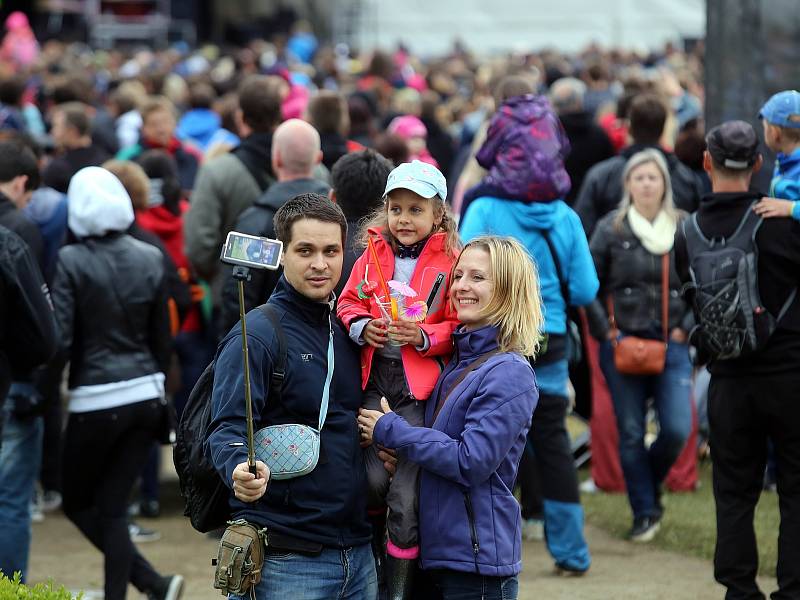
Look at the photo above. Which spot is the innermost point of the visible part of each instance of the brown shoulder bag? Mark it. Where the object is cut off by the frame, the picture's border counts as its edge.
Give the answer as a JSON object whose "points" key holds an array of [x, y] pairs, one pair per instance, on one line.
{"points": [[639, 356]]}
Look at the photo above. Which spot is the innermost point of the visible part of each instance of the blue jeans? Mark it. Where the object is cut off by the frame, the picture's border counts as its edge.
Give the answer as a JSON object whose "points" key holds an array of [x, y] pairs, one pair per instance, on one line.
{"points": [[335, 574], [457, 585], [645, 469], [20, 459]]}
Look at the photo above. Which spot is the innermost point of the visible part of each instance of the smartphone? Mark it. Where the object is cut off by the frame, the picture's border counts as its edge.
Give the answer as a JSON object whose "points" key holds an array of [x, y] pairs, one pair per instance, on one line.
{"points": [[251, 251]]}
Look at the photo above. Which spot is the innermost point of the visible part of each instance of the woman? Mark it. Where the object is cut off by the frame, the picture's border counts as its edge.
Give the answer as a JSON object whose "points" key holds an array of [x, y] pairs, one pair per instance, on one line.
{"points": [[475, 425], [110, 304], [627, 247]]}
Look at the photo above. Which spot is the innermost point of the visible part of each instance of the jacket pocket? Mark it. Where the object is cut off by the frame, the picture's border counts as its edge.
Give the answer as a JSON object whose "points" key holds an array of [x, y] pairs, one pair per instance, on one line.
{"points": [[473, 530]]}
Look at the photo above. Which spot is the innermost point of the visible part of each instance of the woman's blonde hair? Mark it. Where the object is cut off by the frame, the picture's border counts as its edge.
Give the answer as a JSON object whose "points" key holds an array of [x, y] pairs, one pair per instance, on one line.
{"points": [[379, 219], [637, 160], [515, 307]]}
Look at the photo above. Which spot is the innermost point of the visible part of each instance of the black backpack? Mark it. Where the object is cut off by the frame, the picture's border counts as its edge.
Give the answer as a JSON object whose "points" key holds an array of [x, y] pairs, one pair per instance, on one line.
{"points": [[205, 493], [732, 321]]}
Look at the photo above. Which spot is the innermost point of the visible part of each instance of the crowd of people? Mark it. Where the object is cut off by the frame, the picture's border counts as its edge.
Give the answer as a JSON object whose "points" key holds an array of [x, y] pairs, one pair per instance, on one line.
{"points": [[471, 246]]}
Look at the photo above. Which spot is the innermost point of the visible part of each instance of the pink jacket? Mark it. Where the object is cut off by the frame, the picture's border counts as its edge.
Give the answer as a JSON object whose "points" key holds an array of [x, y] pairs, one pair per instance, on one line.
{"points": [[422, 368]]}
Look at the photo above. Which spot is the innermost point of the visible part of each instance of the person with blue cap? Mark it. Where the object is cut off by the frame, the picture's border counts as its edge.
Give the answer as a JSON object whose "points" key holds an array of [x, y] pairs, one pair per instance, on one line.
{"points": [[780, 117], [405, 335]]}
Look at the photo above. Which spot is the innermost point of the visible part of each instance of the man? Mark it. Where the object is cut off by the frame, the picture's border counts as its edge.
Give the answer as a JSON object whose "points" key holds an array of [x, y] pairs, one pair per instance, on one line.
{"points": [[327, 112], [231, 183], [158, 133], [753, 398], [588, 142], [19, 176], [359, 180], [72, 134], [323, 512], [602, 188], [295, 154]]}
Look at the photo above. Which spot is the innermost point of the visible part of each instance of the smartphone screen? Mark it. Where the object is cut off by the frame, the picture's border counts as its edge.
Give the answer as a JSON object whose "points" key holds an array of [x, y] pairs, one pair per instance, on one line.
{"points": [[251, 251]]}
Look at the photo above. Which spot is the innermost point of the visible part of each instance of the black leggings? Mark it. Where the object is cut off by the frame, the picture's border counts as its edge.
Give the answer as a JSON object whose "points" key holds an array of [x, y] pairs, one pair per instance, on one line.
{"points": [[104, 451]]}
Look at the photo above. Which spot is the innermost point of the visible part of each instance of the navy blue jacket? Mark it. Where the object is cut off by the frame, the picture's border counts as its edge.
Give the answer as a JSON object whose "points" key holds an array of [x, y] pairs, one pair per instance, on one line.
{"points": [[329, 504], [470, 454]]}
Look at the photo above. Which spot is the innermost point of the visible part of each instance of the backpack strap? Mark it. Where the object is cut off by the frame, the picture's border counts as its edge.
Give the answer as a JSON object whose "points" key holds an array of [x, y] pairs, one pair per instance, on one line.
{"points": [[279, 367]]}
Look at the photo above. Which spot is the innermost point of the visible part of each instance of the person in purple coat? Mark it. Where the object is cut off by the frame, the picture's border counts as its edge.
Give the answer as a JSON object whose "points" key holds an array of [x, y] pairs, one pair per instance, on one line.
{"points": [[475, 426]]}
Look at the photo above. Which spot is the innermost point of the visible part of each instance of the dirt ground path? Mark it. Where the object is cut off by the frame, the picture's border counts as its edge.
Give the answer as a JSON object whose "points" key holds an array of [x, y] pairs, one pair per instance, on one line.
{"points": [[620, 570]]}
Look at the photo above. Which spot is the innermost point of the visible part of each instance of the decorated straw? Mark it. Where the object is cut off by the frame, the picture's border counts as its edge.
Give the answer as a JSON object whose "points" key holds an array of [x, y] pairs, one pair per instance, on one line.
{"points": [[382, 279]]}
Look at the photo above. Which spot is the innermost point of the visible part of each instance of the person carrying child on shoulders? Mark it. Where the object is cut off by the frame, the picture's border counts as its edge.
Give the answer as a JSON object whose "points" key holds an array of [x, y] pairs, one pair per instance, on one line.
{"points": [[395, 306]]}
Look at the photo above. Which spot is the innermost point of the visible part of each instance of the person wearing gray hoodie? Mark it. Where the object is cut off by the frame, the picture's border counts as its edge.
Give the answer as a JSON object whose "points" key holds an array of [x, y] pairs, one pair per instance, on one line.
{"points": [[110, 301]]}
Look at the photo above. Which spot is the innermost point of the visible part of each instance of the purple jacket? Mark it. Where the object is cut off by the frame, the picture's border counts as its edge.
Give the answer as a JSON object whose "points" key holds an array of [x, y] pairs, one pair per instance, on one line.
{"points": [[468, 517], [525, 149]]}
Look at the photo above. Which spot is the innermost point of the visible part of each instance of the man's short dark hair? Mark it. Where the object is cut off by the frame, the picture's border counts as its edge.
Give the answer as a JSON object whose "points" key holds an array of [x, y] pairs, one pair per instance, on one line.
{"points": [[259, 99], [647, 117], [307, 206], [326, 112], [15, 160], [201, 95], [358, 179], [11, 91], [75, 116]]}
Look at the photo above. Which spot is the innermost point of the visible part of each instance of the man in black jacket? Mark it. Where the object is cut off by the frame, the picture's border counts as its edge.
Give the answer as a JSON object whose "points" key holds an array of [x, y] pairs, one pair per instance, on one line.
{"points": [[755, 398], [602, 188], [295, 154], [318, 530], [19, 176]]}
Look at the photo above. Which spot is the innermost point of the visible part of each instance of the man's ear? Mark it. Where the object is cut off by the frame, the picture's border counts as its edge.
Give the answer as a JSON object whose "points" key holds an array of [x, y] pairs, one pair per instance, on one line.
{"points": [[706, 162], [758, 164], [332, 196], [318, 158]]}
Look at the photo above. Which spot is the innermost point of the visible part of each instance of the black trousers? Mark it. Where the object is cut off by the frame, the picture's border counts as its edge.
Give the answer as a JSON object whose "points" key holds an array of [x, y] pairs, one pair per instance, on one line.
{"points": [[549, 471], [743, 413], [104, 451]]}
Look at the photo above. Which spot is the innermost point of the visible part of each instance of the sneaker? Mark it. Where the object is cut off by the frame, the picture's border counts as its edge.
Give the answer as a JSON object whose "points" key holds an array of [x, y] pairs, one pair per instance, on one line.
{"points": [[149, 509], [588, 486], [141, 534], [37, 516], [644, 529], [50, 500], [170, 588], [533, 530], [567, 571]]}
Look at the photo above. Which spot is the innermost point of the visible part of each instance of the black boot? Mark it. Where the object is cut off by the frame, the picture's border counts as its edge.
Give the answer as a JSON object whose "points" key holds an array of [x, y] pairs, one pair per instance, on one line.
{"points": [[399, 577], [379, 551]]}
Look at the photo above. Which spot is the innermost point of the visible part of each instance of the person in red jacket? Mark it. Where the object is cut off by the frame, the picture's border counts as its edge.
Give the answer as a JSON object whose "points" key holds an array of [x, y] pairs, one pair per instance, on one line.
{"points": [[395, 306]]}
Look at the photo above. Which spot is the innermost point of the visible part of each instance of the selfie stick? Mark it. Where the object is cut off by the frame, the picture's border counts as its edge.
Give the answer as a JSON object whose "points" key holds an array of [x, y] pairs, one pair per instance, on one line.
{"points": [[242, 274]]}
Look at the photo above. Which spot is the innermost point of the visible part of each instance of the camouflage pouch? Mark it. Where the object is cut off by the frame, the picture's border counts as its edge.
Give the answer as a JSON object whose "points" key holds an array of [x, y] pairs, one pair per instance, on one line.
{"points": [[239, 559]]}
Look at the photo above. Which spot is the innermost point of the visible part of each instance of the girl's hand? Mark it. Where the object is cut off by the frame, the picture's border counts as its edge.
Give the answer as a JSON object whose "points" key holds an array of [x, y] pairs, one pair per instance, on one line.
{"points": [[406, 332], [367, 419], [772, 207], [375, 333]]}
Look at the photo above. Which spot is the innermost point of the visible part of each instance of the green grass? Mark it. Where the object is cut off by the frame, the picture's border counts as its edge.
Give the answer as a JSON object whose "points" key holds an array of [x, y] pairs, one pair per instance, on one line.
{"points": [[689, 525]]}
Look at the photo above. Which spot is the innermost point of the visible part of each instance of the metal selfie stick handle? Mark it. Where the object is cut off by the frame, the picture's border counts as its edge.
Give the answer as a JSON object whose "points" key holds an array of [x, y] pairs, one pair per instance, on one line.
{"points": [[242, 274]]}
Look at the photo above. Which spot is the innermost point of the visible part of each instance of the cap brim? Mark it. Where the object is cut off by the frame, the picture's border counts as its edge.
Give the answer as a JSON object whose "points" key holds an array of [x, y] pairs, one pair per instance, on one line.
{"points": [[426, 190]]}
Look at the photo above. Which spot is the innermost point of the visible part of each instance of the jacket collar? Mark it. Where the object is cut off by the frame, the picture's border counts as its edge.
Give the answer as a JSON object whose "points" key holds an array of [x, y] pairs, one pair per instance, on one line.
{"points": [[725, 201], [472, 344], [288, 297]]}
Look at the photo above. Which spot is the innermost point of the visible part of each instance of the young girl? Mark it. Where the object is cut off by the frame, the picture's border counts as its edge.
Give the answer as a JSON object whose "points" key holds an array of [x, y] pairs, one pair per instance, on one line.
{"points": [[412, 240]]}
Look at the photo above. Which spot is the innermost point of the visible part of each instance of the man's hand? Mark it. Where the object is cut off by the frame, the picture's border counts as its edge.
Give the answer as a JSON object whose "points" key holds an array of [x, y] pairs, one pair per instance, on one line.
{"points": [[773, 207], [246, 486], [375, 333], [389, 458], [367, 419], [406, 332]]}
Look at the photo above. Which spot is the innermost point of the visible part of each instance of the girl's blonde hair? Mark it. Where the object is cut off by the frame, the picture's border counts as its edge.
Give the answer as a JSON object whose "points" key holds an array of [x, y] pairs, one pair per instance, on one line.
{"points": [[515, 307], [379, 219], [637, 160]]}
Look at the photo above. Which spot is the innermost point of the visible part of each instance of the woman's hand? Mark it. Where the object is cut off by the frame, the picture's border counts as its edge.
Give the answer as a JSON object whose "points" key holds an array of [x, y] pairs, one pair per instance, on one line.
{"points": [[678, 335], [406, 332], [773, 207], [368, 418], [375, 333], [246, 486]]}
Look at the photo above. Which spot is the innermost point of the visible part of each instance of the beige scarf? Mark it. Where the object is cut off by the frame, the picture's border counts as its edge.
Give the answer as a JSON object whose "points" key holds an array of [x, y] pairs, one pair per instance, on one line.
{"points": [[657, 237]]}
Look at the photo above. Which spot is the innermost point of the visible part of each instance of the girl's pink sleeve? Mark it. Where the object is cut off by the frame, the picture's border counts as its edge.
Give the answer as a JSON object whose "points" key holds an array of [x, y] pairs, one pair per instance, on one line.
{"points": [[349, 306]]}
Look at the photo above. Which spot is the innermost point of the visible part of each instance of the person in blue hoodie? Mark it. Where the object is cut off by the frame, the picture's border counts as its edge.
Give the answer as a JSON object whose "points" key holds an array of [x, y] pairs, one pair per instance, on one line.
{"points": [[201, 125], [532, 224], [476, 422]]}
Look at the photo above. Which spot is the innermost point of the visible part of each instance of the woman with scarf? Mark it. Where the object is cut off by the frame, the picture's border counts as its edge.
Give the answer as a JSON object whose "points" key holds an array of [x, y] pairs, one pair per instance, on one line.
{"points": [[629, 247]]}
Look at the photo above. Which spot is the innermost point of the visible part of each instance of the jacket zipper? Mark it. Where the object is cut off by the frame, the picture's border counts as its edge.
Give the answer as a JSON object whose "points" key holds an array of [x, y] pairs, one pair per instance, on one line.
{"points": [[476, 547]]}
